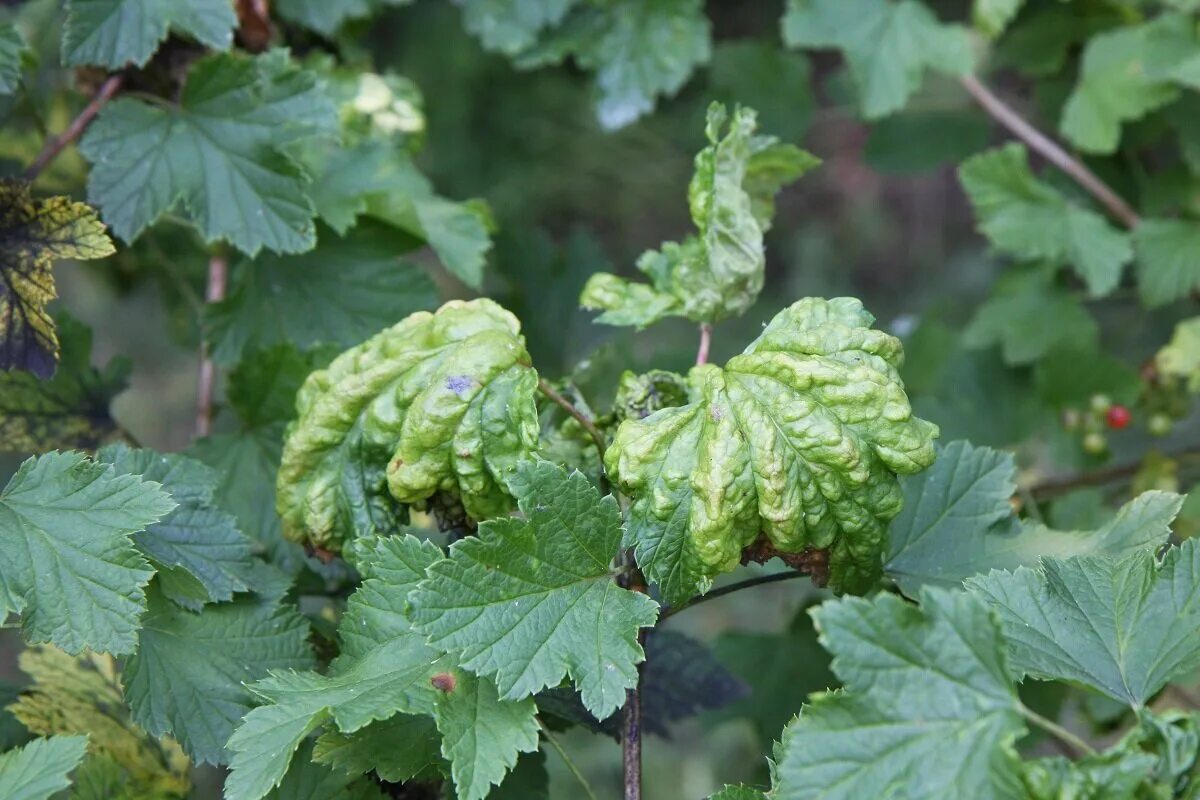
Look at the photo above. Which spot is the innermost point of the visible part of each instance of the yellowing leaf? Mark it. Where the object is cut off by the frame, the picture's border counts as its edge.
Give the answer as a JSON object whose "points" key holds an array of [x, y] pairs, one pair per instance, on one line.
{"points": [[33, 234]]}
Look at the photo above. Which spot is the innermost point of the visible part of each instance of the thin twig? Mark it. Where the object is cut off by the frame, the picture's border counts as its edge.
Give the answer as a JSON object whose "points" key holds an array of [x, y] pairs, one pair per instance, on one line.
{"points": [[774, 577], [218, 277], [562, 753], [1075, 743], [631, 734], [1101, 477], [579, 416], [56, 145], [705, 342], [1051, 151]]}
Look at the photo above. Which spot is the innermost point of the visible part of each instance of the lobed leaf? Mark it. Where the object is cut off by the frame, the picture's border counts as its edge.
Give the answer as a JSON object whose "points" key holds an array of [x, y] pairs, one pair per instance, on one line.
{"points": [[439, 402], [799, 440], [116, 33], [40, 768], [12, 50]]}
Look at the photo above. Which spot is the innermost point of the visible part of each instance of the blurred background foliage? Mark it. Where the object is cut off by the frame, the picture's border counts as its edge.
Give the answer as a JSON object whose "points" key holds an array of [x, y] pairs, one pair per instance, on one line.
{"points": [[884, 219]]}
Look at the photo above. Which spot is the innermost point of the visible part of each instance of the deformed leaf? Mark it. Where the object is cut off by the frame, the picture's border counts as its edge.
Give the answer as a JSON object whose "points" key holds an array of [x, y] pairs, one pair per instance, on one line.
{"points": [[1124, 626], [719, 272], [115, 33], [438, 402], [218, 156], [68, 411], [1028, 219], [33, 234], [958, 522], [530, 602], [40, 768], [71, 568], [888, 45], [799, 440]]}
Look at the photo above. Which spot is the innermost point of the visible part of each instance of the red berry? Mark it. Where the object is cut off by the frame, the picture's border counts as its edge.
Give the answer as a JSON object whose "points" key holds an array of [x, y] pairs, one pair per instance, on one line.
{"points": [[1117, 417]]}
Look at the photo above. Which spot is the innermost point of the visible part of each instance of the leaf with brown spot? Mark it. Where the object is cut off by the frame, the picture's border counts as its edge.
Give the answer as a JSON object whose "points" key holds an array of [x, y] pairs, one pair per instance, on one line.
{"points": [[33, 234]]}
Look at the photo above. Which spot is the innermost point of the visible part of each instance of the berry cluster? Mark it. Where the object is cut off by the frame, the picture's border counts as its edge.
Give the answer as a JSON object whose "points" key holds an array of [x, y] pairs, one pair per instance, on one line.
{"points": [[1103, 415]]}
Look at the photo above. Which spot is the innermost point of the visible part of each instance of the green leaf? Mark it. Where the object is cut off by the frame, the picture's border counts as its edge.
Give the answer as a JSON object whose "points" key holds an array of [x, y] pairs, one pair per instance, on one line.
{"points": [[33, 235], [323, 16], [72, 570], [397, 749], [1015, 316], [1173, 50], [1180, 358], [782, 670], [739, 792], [510, 26], [957, 522], [718, 273], [68, 411], [798, 439], [12, 50], [218, 156], [914, 142], [196, 536], [1124, 626], [340, 293], [530, 602], [307, 780], [189, 675], [993, 16], [1114, 88], [887, 45], [1028, 219], [482, 734], [115, 33], [40, 768], [439, 402], [1168, 259], [929, 708]]}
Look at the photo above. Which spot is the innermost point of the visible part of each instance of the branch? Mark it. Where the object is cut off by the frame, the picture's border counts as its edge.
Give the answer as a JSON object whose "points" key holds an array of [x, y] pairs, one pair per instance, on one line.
{"points": [[631, 736], [1051, 151], [1101, 477], [1078, 746], [774, 577], [571, 766], [579, 416], [218, 276], [705, 341], [56, 145]]}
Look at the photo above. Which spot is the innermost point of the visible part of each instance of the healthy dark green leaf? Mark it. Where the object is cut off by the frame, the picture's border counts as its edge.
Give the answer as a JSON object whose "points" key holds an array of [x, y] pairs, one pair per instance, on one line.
{"points": [[1168, 259], [344, 291], [40, 768], [530, 602], [1124, 626], [72, 570], [1015, 316], [12, 49], [888, 45], [218, 156], [1028, 219], [115, 33]]}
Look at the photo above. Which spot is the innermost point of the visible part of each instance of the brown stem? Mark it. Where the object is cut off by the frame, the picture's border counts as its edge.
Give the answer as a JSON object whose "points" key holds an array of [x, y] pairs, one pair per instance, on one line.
{"points": [[56, 145], [705, 341], [1100, 477], [218, 277], [631, 712], [1051, 151], [579, 416]]}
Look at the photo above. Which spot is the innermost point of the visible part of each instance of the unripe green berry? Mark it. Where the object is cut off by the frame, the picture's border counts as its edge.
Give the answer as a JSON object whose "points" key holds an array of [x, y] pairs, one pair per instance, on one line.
{"points": [[1101, 403], [1070, 419], [1095, 443], [1159, 424]]}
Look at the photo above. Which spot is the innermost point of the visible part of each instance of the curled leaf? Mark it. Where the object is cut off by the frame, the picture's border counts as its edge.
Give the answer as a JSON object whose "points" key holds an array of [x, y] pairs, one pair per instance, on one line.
{"points": [[799, 439], [441, 402]]}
